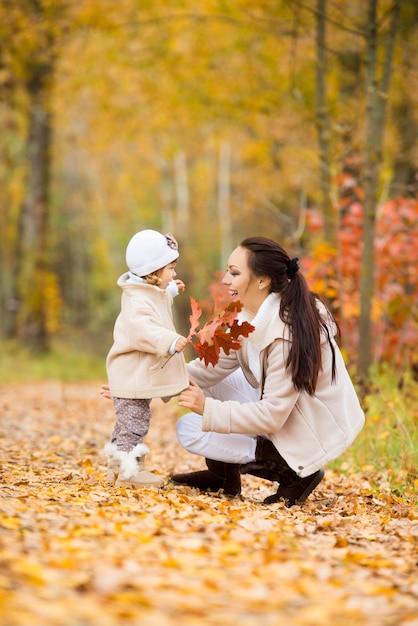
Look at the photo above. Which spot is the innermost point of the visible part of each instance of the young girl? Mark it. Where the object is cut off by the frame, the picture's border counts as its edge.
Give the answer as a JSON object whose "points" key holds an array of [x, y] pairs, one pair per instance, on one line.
{"points": [[139, 364], [282, 406]]}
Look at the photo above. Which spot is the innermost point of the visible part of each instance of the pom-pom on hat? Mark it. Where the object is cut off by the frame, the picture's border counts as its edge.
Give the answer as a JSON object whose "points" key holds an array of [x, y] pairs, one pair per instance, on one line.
{"points": [[149, 251]]}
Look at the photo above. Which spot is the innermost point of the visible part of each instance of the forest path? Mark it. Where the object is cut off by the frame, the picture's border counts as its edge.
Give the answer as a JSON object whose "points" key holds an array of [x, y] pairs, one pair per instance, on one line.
{"points": [[75, 551]]}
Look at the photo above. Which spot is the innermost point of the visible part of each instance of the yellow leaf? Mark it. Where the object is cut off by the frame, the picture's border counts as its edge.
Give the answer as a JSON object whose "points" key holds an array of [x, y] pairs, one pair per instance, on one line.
{"points": [[231, 547], [171, 562], [341, 542], [10, 522], [32, 571], [88, 531], [55, 439], [368, 561]]}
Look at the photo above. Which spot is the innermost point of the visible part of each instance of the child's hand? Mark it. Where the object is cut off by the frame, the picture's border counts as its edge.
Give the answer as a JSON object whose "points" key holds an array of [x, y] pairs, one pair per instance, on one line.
{"points": [[181, 343], [180, 285], [105, 391]]}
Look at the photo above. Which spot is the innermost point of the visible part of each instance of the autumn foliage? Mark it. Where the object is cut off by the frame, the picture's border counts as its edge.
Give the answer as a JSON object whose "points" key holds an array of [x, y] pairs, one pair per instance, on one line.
{"points": [[222, 332], [128, 115], [335, 273], [74, 550]]}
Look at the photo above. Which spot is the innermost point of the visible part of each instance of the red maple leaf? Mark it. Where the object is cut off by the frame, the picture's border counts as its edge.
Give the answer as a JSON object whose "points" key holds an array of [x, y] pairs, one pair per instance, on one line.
{"points": [[225, 341], [241, 330], [207, 353]]}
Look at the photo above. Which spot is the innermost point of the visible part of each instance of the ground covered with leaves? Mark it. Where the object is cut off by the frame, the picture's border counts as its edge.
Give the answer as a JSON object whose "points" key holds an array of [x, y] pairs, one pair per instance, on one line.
{"points": [[75, 551]]}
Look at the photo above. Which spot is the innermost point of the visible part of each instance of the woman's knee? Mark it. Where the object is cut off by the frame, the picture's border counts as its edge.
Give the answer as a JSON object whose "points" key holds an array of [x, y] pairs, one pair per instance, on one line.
{"points": [[189, 430]]}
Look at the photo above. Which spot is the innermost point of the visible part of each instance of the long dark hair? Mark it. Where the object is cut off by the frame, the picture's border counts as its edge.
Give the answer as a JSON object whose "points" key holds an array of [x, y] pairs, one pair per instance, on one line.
{"points": [[298, 309]]}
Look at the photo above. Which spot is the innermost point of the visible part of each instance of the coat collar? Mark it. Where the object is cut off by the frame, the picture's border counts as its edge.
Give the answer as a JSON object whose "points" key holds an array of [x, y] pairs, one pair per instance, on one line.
{"points": [[268, 325]]}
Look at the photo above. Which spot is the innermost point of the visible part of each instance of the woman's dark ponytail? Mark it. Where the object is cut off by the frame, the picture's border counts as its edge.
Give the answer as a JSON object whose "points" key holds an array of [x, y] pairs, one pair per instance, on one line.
{"points": [[298, 309]]}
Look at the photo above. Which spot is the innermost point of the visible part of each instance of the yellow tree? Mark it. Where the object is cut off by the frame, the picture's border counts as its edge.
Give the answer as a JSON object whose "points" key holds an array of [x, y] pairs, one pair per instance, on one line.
{"points": [[199, 119], [30, 29]]}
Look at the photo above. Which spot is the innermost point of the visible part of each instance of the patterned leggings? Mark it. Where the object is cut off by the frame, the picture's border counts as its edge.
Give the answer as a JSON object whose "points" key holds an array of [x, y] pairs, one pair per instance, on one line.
{"points": [[132, 422]]}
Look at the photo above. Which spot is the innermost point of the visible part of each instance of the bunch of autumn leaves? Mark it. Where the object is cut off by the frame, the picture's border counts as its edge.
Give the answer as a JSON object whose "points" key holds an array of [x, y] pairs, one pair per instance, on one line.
{"points": [[222, 332]]}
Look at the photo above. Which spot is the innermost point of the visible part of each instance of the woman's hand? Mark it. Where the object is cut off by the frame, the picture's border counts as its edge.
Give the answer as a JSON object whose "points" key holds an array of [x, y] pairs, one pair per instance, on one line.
{"points": [[193, 398], [105, 391]]}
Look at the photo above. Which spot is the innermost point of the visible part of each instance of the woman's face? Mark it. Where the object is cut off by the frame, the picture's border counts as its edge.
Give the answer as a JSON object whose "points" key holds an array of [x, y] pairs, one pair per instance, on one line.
{"points": [[241, 283]]}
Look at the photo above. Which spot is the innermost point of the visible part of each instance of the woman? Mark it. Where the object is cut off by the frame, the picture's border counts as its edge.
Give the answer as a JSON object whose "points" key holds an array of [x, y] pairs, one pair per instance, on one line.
{"points": [[283, 405]]}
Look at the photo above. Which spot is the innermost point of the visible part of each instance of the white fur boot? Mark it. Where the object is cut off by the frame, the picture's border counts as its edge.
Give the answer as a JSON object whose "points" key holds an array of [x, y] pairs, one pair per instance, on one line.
{"points": [[126, 469]]}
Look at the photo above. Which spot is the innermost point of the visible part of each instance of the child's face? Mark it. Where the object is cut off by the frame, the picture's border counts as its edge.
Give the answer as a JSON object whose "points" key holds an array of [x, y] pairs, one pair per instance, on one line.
{"points": [[167, 274]]}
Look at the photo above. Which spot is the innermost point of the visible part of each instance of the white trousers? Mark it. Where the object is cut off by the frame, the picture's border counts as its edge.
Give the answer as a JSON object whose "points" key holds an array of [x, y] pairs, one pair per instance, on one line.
{"points": [[231, 448]]}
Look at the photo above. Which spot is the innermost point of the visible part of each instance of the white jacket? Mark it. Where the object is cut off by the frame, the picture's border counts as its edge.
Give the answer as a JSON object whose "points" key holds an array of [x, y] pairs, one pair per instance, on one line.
{"points": [[139, 364], [309, 431]]}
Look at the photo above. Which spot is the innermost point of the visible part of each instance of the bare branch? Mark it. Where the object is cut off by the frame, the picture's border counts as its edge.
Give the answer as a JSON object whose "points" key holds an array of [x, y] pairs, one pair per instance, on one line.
{"points": [[316, 12]]}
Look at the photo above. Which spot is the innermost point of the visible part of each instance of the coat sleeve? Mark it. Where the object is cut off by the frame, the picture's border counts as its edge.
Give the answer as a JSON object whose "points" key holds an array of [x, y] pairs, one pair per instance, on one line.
{"points": [[212, 375], [265, 416], [147, 333]]}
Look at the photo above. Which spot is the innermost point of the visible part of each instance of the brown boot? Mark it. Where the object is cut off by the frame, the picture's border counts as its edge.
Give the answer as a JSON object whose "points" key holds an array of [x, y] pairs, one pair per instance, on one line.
{"points": [[219, 475], [295, 490], [270, 464]]}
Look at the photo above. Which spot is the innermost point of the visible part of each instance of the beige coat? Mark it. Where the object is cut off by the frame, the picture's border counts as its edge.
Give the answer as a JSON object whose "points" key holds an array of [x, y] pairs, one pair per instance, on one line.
{"points": [[308, 431], [139, 364]]}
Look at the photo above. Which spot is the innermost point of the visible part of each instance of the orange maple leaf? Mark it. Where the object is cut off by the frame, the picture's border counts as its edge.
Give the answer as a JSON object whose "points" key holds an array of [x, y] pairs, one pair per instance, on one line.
{"points": [[194, 318], [209, 329]]}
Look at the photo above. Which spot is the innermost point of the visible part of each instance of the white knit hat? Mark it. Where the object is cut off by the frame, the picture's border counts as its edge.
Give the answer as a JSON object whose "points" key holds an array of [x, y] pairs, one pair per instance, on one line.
{"points": [[149, 251]]}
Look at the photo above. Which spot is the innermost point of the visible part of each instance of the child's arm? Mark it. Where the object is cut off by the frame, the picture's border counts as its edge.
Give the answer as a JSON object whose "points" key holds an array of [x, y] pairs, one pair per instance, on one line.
{"points": [[181, 343], [175, 287], [178, 345], [180, 285]]}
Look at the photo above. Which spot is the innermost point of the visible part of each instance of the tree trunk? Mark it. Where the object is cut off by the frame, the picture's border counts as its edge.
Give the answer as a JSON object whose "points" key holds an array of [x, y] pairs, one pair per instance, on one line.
{"points": [[376, 97], [182, 196], [323, 122], [166, 194], [224, 209], [31, 249]]}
